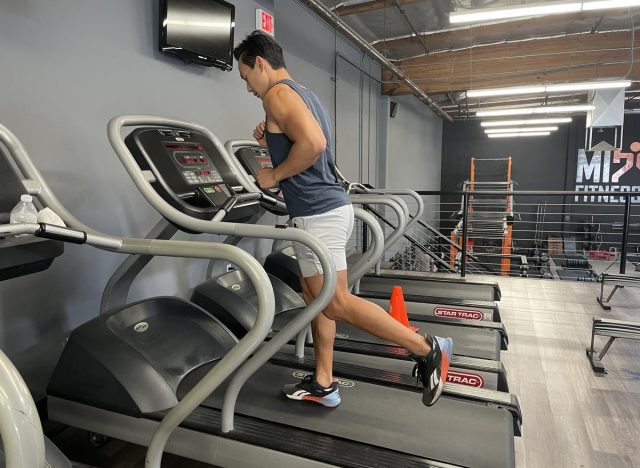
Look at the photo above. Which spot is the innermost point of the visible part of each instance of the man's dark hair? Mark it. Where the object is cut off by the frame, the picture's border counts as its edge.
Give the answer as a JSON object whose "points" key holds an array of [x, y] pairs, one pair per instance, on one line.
{"points": [[259, 44]]}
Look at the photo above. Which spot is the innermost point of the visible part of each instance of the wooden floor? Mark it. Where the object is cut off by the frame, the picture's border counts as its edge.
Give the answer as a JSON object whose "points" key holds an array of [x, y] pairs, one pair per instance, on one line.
{"points": [[571, 416]]}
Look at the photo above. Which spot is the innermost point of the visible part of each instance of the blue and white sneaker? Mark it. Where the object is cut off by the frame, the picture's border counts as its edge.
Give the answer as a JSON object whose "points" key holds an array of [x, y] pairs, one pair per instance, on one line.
{"points": [[433, 368], [308, 389]]}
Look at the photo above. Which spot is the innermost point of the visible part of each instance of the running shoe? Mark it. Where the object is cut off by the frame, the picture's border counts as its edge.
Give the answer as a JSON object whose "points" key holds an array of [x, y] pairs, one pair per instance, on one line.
{"points": [[308, 389], [432, 368]]}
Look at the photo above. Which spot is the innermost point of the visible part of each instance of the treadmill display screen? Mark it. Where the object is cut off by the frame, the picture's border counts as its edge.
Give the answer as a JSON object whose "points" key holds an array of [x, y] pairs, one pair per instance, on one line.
{"points": [[264, 161], [193, 163]]}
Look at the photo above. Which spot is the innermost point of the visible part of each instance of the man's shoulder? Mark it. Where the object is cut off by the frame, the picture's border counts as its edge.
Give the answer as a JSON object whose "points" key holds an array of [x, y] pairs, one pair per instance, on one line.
{"points": [[278, 93]]}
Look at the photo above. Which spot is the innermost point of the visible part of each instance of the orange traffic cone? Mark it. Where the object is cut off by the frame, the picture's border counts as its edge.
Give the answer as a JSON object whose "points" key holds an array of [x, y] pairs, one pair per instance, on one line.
{"points": [[397, 309]]}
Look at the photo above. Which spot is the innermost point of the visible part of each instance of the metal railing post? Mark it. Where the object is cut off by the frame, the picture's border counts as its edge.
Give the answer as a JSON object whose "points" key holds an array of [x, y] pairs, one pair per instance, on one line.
{"points": [[625, 232], [365, 234], [465, 212]]}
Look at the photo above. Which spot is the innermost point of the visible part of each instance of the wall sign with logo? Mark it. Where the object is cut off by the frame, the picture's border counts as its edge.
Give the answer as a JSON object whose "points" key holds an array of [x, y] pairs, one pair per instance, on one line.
{"points": [[608, 171]]}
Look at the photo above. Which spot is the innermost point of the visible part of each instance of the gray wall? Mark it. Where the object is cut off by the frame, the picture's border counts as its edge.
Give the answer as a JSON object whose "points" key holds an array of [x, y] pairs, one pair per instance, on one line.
{"points": [[351, 97], [414, 146], [68, 67], [414, 155], [538, 163]]}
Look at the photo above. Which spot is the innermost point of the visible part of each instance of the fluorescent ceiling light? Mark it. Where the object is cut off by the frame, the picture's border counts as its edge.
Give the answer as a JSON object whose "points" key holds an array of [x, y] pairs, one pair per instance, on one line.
{"points": [[536, 110], [505, 123], [552, 88], [521, 130], [587, 86], [549, 8], [473, 93], [523, 134], [602, 5], [492, 14]]}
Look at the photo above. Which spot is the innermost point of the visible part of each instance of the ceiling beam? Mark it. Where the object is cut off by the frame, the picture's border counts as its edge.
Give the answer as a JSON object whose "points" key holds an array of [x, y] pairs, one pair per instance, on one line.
{"points": [[374, 5], [538, 101], [587, 73], [493, 32], [569, 44], [572, 58]]}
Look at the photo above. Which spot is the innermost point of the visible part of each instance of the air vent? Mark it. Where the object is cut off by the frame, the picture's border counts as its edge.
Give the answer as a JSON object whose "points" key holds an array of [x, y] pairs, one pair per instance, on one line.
{"points": [[184, 134], [165, 132]]}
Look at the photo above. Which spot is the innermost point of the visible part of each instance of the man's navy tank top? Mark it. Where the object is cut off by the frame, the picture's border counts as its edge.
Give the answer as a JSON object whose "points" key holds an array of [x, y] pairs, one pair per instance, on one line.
{"points": [[315, 190]]}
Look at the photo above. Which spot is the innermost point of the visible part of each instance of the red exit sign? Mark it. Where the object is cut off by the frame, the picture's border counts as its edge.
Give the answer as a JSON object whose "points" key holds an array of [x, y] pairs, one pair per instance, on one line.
{"points": [[264, 21]]}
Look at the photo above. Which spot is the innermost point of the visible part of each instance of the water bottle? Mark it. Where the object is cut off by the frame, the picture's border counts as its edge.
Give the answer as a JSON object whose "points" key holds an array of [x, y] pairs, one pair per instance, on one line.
{"points": [[24, 212]]}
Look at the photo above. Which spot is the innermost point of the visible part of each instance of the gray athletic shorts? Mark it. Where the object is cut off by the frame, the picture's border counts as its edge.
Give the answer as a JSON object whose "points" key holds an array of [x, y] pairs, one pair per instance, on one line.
{"points": [[332, 228]]}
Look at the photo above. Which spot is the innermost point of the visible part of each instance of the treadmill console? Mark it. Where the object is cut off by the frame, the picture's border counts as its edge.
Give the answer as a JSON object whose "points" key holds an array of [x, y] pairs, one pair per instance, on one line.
{"points": [[189, 171], [254, 158]]}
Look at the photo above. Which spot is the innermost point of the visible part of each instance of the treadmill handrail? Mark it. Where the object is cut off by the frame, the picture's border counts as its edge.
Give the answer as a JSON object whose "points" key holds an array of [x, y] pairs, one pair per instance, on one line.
{"points": [[372, 256], [190, 249], [366, 200], [20, 427], [412, 218], [398, 206], [411, 193]]}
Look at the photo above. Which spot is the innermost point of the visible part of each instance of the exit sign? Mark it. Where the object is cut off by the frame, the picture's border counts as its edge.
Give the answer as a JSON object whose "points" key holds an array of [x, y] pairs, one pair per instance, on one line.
{"points": [[264, 21]]}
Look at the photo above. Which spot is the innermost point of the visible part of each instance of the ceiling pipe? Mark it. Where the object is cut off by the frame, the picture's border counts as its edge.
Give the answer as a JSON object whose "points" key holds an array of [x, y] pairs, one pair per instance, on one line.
{"points": [[335, 21]]}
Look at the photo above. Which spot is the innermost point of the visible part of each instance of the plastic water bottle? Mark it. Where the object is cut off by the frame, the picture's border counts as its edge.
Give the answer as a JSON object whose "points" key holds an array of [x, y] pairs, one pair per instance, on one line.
{"points": [[24, 212]]}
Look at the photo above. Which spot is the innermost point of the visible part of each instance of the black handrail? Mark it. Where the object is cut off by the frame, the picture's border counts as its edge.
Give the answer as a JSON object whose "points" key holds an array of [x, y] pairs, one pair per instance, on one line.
{"points": [[514, 193], [441, 236]]}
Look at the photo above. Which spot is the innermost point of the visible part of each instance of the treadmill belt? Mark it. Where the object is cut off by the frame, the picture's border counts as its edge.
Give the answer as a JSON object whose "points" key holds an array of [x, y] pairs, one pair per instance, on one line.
{"points": [[478, 343], [300, 443], [418, 308], [457, 432], [418, 287]]}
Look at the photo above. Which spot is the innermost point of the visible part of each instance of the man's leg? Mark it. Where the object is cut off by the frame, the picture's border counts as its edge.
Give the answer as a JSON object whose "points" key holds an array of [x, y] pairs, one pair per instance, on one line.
{"points": [[366, 316], [432, 354], [323, 330]]}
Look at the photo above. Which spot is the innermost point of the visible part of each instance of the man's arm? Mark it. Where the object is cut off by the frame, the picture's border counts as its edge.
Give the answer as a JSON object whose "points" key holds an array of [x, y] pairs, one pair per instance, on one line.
{"points": [[291, 114]]}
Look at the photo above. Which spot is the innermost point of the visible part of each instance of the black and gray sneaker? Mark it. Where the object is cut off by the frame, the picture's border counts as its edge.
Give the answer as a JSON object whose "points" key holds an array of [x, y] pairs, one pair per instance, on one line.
{"points": [[310, 390], [432, 369]]}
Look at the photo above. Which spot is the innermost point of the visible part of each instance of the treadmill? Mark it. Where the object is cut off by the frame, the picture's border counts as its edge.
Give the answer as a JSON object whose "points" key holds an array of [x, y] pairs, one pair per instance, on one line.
{"points": [[474, 338], [231, 299], [22, 442], [138, 369]]}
